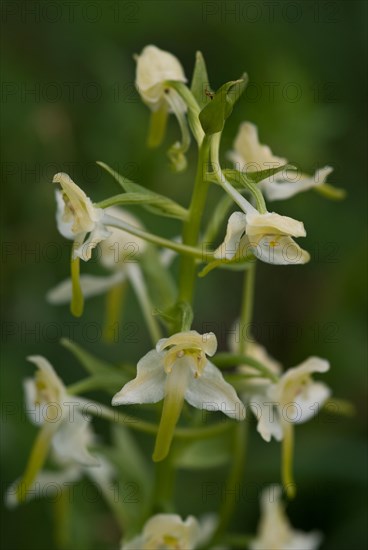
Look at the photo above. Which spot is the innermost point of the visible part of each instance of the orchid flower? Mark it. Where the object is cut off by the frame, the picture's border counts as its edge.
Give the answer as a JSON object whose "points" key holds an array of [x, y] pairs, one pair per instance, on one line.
{"points": [[155, 69], [115, 253], [52, 482], [167, 531], [119, 253], [254, 350], [295, 398], [171, 532], [268, 236], [178, 369], [249, 155], [275, 531], [63, 426], [77, 216]]}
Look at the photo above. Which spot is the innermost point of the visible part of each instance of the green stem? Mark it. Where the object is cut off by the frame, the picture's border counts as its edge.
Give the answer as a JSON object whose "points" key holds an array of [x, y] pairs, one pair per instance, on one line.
{"points": [[227, 360], [129, 421], [192, 226], [241, 430], [287, 460], [233, 491], [184, 249], [247, 307]]}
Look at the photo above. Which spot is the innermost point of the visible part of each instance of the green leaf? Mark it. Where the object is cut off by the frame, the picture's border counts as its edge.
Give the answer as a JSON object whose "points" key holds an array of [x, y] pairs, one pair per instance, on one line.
{"points": [[199, 455], [215, 113], [93, 365], [256, 177], [200, 87], [217, 218], [160, 283], [240, 264], [154, 202], [240, 179]]}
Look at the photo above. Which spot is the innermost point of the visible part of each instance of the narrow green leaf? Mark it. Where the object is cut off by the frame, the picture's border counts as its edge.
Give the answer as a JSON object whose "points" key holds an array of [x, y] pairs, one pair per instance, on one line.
{"points": [[92, 364], [263, 174], [199, 455], [154, 202], [200, 87], [215, 113]]}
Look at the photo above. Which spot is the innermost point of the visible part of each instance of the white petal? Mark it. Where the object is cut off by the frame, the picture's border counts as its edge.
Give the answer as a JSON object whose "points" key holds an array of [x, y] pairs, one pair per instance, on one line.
{"points": [[161, 525], [91, 285], [48, 484], [71, 441], [190, 339], [269, 424], [278, 250], [154, 67], [250, 154], [235, 229], [148, 386], [102, 474], [134, 544], [304, 541], [309, 402], [84, 250], [281, 187], [210, 391], [121, 247], [64, 227], [272, 223]]}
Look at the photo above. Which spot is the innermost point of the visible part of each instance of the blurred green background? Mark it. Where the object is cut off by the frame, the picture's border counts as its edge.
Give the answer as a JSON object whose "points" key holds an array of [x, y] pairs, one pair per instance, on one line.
{"points": [[68, 99]]}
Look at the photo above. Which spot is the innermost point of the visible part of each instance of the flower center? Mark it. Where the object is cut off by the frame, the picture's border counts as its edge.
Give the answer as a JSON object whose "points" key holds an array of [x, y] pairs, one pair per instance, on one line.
{"points": [[175, 353]]}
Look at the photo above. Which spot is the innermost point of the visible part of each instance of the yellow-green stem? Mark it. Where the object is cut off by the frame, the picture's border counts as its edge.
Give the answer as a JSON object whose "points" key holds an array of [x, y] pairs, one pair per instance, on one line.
{"points": [[287, 460], [192, 226]]}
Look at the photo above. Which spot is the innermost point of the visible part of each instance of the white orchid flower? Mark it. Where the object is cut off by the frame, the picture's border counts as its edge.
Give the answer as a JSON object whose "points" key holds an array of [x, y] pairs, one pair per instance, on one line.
{"points": [[178, 369], [289, 183], [64, 429], [167, 531], [275, 531], [115, 253], [251, 156], [154, 68], [256, 351], [267, 236], [294, 399], [77, 216]]}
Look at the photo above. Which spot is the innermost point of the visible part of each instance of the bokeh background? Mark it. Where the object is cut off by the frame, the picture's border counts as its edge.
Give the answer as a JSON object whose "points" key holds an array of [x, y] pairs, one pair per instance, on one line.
{"points": [[68, 99]]}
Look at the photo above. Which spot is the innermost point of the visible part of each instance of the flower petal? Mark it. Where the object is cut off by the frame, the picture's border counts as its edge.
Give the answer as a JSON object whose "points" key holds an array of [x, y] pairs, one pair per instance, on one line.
{"points": [[48, 483], [154, 67], [278, 250], [190, 339], [148, 386], [250, 154], [269, 424], [235, 229], [272, 223], [70, 443], [292, 183], [91, 285], [210, 391]]}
